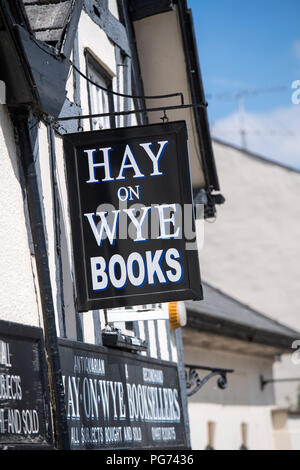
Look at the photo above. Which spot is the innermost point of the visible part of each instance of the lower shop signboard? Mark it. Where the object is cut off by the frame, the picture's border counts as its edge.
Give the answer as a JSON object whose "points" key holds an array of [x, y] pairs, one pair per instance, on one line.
{"points": [[118, 400], [25, 420]]}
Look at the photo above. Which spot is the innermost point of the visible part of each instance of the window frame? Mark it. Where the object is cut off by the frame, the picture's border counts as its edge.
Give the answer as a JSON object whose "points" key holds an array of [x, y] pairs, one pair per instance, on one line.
{"points": [[91, 62]]}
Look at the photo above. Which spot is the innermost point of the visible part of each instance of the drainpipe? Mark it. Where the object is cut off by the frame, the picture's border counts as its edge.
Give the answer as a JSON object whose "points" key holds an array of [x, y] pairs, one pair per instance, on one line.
{"points": [[20, 119]]}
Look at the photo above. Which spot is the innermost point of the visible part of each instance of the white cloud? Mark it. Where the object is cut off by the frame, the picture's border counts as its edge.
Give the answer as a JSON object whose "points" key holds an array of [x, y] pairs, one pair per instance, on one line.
{"points": [[274, 134]]}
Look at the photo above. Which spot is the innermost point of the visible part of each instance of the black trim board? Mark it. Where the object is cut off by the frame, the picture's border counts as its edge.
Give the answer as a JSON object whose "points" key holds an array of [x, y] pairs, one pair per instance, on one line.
{"points": [[218, 326], [198, 96], [112, 351], [99, 12], [140, 9]]}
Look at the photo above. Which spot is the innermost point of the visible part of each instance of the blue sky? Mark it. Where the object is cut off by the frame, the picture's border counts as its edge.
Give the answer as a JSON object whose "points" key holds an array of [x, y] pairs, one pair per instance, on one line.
{"points": [[248, 45]]}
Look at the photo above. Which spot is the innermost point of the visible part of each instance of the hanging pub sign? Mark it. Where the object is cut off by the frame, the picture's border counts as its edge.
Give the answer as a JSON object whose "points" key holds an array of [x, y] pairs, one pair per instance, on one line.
{"points": [[132, 216], [115, 400], [25, 418]]}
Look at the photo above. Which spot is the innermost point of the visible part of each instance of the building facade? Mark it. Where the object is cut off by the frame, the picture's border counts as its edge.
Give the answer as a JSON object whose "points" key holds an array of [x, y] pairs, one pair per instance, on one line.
{"points": [[225, 334], [62, 62], [257, 259]]}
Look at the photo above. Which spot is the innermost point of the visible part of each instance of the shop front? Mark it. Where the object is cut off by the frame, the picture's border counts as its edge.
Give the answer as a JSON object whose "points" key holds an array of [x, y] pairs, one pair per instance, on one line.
{"points": [[101, 251], [120, 400]]}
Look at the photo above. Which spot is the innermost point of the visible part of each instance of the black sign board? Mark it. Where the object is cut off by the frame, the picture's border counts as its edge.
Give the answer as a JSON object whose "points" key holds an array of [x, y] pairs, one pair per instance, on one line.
{"points": [[25, 421], [116, 400], [129, 193]]}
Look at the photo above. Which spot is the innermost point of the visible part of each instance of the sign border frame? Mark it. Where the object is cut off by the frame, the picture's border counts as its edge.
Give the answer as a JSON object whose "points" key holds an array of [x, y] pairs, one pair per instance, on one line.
{"points": [[70, 144]]}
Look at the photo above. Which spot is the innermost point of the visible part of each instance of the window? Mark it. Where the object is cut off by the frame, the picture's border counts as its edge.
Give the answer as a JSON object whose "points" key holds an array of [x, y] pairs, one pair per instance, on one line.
{"points": [[100, 100], [244, 433], [211, 429]]}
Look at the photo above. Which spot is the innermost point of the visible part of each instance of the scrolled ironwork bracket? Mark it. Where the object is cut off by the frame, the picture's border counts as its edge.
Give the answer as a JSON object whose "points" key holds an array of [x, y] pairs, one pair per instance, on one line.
{"points": [[194, 383]]}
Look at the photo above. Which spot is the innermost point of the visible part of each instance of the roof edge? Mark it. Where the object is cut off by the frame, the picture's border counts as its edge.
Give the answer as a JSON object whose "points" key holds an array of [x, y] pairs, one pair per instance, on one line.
{"points": [[226, 328], [257, 156], [253, 310]]}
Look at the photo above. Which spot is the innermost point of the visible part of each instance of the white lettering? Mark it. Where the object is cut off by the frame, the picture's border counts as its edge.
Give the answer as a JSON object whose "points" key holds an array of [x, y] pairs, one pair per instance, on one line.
{"points": [[128, 155], [163, 221], [170, 255], [138, 223], [104, 226], [105, 164], [155, 158], [154, 268], [99, 276]]}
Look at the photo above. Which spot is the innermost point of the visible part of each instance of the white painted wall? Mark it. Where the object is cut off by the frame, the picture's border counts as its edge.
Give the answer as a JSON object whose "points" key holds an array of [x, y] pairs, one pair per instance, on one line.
{"points": [[252, 251], [286, 429], [113, 7], [18, 301], [294, 431], [228, 421], [242, 401]]}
